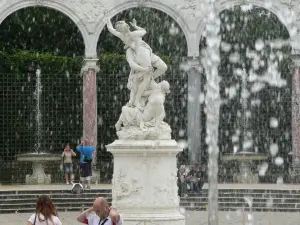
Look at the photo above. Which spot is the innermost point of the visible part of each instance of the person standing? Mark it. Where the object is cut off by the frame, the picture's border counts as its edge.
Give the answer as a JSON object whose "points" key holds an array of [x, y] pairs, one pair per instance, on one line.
{"points": [[67, 162], [86, 158], [101, 214], [45, 213], [181, 181]]}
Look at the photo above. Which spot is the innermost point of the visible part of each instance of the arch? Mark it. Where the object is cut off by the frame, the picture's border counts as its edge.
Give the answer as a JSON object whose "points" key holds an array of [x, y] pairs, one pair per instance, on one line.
{"points": [[224, 4], [11, 8], [159, 6]]}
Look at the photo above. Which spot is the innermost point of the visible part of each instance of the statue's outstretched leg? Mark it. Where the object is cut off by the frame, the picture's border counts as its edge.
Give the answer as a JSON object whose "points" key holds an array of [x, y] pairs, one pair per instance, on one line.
{"points": [[161, 68], [142, 87], [131, 98]]}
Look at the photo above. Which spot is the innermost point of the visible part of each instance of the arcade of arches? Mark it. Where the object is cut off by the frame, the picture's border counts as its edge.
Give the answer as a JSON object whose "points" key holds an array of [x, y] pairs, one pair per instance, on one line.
{"points": [[91, 17]]}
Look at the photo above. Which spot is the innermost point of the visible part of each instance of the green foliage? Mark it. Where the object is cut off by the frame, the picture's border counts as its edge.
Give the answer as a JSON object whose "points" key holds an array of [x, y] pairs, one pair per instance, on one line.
{"points": [[43, 30], [49, 63], [24, 61]]}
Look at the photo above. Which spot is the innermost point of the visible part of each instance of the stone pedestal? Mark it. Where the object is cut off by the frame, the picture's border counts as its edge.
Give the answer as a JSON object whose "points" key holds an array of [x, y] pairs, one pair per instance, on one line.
{"points": [[145, 181], [245, 175], [38, 176], [38, 160]]}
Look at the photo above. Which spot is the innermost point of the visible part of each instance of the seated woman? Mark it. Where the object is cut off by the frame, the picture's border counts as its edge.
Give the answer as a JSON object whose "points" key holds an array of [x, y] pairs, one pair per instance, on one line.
{"points": [[45, 213], [195, 179]]}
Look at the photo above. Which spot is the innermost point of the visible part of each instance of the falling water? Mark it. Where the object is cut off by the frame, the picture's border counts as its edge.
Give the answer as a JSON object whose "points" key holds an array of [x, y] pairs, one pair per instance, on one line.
{"points": [[211, 61], [244, 98], [37, 95]]}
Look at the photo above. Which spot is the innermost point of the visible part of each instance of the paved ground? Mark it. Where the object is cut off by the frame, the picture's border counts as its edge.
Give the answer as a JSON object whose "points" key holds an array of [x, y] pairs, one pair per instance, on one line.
{"points": [[109, 186], [192, 218]]}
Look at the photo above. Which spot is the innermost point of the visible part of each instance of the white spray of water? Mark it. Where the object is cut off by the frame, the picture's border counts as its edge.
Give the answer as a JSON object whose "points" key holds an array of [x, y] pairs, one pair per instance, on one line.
{"points": [[211, 61], [37, 95]]}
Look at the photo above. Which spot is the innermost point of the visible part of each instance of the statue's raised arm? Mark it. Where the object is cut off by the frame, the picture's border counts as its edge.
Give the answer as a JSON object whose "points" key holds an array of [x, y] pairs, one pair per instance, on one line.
{"points": [[112, 29], [122, 31], [139, 31]]}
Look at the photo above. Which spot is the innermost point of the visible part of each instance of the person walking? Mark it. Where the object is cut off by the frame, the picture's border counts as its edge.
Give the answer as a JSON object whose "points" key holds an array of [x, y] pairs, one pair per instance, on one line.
{"points": [[67, 162], [45, 213], [86, 158]]}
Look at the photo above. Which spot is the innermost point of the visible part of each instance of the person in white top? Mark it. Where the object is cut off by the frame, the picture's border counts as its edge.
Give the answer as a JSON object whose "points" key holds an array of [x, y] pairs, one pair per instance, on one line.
{"points": [[45, 213], [67, 161], [100, 214]]}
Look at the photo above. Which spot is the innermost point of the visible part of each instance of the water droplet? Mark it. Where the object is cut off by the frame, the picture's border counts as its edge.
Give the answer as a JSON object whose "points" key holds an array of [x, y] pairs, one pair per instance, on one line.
{"points": [[182, 144], [259, 44], [279, 161], [279, 180], [273, 122], [269, 202], [263, 169], [274, 149]]}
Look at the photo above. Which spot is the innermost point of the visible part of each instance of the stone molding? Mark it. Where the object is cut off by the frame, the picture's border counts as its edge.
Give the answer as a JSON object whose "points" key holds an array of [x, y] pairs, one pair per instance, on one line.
{"points": [[91, 15]]}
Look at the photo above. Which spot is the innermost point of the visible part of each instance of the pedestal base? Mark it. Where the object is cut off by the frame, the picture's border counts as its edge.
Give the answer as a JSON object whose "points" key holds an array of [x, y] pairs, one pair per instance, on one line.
{"points": [[145, 181], [38, 176], [245, 176], [154, 219], [95, 178]]}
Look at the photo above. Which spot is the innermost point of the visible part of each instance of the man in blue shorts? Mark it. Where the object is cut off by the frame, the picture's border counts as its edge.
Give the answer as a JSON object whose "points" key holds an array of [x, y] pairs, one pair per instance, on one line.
{"points": [[86, 158]]}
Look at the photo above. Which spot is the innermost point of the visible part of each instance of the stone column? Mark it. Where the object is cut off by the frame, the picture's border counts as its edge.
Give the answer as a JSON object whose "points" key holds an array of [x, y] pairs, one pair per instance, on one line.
{"points": [[89, 72], [194, 120], [296, 104]]}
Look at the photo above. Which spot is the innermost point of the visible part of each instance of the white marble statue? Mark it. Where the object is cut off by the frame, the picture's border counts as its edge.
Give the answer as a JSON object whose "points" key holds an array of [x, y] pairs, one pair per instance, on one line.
{"points": [[141, 59], [146, 124], [142, 117]]}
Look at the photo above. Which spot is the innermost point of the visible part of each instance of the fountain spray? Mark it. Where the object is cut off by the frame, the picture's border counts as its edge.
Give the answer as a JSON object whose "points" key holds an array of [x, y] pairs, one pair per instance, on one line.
{"points": [[38, 91], [211, 61]]}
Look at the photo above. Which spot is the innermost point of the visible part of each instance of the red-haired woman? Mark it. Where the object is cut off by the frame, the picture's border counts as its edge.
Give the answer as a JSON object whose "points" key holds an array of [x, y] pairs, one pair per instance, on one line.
{"points": [[45, 213]]}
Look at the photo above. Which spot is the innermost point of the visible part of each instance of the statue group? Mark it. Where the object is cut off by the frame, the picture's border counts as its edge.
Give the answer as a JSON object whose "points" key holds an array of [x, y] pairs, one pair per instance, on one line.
{"points": [[142, 117]]}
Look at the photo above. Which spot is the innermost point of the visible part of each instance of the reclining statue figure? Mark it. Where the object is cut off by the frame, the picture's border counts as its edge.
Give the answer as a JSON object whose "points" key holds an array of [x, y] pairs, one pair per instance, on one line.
{"points": [[151, 118]]}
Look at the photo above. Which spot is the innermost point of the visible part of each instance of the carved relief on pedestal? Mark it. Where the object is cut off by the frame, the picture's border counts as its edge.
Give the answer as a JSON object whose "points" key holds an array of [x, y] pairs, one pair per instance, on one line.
{"points": [[89, 10], [159, 189], [150, 162], [127, 189], [166, 192]]}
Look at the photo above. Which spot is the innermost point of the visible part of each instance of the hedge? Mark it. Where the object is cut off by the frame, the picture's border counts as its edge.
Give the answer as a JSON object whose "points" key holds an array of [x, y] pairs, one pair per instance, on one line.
{"points": [[25, 61]]}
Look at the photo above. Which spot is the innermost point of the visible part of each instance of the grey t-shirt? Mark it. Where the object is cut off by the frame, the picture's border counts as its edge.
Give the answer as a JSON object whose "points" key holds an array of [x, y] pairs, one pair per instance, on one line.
{"points": [[68, 156]]}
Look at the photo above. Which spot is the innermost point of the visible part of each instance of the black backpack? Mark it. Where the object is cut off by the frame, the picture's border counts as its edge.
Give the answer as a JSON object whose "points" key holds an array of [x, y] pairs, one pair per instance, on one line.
{"points": [[77, 189]]}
